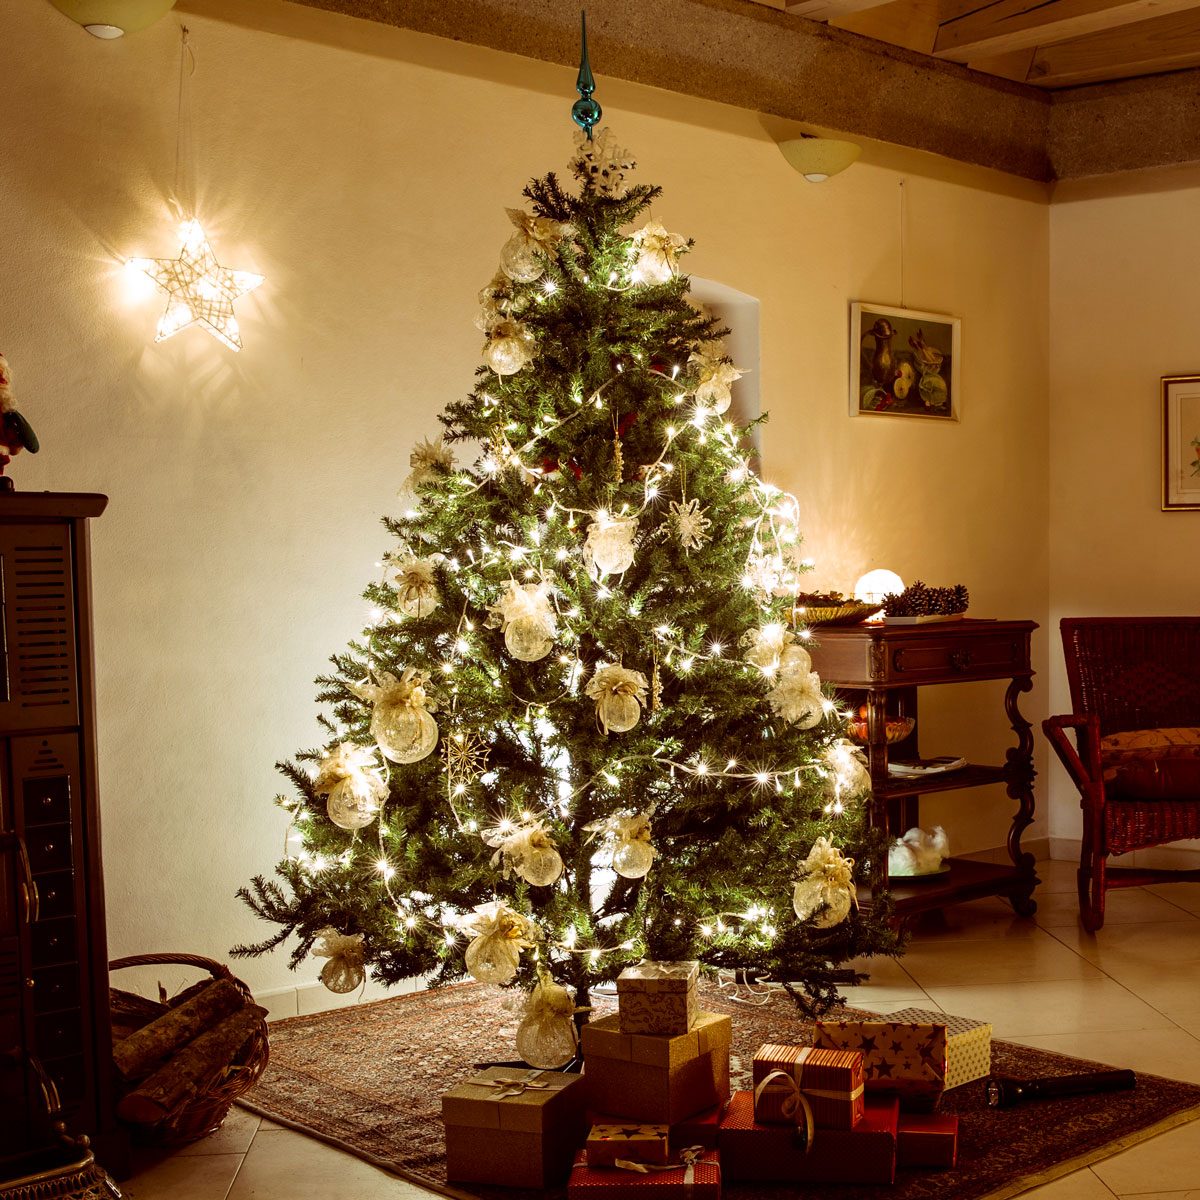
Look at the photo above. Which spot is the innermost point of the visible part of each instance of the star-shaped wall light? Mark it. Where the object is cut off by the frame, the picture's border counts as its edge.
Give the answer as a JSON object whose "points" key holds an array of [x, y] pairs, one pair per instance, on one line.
{"points": [[199, 290]]}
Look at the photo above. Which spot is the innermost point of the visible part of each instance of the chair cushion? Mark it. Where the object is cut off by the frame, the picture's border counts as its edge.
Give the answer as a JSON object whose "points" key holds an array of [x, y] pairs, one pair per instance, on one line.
{"points": [[1153, 764]]}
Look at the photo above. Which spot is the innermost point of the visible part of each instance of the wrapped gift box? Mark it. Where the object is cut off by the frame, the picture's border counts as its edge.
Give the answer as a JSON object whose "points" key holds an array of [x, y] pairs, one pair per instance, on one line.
{"points": [[612, 1139], [694, 1180], [658, 997], [752, 1152], [831, 1080], [927, 1140], [700, 1130], [904, 1057], [651, 1077], [968, 1044], [513, 1127]]}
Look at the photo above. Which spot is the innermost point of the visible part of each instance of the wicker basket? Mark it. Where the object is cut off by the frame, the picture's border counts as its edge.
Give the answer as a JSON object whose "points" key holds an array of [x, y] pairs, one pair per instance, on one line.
{"points": [[203, 1113]]}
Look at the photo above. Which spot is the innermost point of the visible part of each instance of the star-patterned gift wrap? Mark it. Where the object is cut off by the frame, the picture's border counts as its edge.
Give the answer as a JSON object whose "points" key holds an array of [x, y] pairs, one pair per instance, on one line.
{"points": [[968, 1044], [651, 1077], [927, 1140], [658, 997], [830, 1080], [513, 1127], [694, 1174], [904, 1057], [610, 1140], [754, 1153]]}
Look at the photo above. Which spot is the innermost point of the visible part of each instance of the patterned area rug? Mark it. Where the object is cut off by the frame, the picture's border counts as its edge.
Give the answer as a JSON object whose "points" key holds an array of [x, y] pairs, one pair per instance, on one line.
{"points": [[369, 1079]]}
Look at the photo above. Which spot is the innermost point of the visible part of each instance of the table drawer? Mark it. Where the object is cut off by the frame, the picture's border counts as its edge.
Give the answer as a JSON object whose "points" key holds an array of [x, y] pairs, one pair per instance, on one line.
{"points": [[49, 848], [56, 988], [47, 801], [942, 659], [54, 942]]}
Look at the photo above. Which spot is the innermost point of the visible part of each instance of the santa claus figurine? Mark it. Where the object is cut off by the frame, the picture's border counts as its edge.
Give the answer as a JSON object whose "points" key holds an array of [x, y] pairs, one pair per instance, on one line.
{"points": [[16, 433]]}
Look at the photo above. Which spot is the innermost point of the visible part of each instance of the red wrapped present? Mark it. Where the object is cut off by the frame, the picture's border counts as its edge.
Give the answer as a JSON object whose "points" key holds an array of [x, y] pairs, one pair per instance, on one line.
{"points": [[513, 1127], [696, 1176], [927, 1140], [612, 1139], [751, 1152], [700, 1130], [653, 1077], [904, 1057], [830, 1080]]}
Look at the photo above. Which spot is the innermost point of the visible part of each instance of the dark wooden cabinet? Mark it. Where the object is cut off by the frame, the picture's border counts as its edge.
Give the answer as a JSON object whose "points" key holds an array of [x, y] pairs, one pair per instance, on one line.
{"points": [[883, 666], [54, 1027]]}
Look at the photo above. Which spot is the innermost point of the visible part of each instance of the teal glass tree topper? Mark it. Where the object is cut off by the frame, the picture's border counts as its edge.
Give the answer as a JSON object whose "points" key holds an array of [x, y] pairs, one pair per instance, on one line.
{"points": [[585, 112]]}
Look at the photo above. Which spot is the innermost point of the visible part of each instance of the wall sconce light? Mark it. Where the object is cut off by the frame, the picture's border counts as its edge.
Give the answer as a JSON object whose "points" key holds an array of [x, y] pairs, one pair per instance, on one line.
{"points": [[110, 19], [817, 158], [874, 585]]}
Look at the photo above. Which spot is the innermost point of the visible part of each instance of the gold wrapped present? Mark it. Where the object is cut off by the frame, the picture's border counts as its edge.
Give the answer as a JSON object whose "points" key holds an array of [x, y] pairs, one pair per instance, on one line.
{"points": [[658, 997], [652, 1077], [968, 1044], [627, 1140], [513, 1127]]}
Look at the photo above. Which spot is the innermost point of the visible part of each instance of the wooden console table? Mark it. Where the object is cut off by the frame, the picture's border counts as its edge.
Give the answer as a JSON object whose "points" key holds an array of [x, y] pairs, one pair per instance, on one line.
{"points": [[883, 666]]}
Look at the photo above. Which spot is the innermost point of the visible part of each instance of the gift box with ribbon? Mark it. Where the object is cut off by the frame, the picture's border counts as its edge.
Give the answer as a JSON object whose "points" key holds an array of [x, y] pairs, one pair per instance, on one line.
{"points": [[829, 1081], [695, 1174], [610, 1140], [658, 997], [904, 1057], [513, 1127], [927, 1140], [968, 1044], [755, 1153], [653, 1077]]}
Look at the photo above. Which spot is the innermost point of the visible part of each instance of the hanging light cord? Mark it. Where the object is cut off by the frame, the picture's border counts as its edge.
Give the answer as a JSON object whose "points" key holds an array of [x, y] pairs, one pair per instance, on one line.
{"points": [[903, 224], [187, 67]]}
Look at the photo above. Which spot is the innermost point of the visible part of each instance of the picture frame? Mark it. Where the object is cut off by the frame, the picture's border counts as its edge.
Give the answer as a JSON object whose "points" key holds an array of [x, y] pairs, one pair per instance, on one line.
{"points": [[1181, 443], [904, 363]]}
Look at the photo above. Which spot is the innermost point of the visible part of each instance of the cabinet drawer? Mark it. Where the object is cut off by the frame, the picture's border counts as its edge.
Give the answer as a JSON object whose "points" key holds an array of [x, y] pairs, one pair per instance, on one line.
{"points": [[942, 659], [56, 988], [49, 848], [56, 895], [59, 1033], [54, 942], [47, 801]]}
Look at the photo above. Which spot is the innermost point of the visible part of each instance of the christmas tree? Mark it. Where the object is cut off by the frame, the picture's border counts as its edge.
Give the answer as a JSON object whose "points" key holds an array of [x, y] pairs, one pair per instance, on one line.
{"points": [[584, 728]]}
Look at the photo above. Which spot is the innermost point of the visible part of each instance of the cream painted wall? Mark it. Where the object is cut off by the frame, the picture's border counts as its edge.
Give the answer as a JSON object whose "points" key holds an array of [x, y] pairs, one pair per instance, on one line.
{"points": [[1125, 257], [364, 171]]}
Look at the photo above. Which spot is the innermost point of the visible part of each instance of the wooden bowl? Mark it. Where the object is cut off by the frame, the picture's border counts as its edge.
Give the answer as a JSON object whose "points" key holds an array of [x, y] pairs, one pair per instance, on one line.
{"points": [[849, 612]]}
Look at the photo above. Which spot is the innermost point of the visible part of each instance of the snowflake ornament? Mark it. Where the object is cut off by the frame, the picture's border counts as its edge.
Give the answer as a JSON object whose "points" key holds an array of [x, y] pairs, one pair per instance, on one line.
{"points": [[466, 756], [602, 162], [691, 524]]}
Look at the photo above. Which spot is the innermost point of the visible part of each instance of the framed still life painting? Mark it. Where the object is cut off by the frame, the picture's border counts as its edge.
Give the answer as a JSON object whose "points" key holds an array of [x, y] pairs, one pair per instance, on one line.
{"points": [[903, 363], [1181, 442]]}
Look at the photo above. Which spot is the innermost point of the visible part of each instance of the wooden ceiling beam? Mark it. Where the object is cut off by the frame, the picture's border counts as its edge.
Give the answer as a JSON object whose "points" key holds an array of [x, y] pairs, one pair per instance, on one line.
{"points": [[829, 10], [1169, 43], [1003, 26]]}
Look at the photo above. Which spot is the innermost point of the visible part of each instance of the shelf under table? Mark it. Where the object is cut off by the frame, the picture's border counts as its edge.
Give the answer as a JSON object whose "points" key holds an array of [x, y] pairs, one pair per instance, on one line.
{"points": [[968, 880]]}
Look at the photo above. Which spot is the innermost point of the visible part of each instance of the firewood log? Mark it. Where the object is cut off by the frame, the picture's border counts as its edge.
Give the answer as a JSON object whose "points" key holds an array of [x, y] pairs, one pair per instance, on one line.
{"points": [[136, 1055], [191, 1069]]}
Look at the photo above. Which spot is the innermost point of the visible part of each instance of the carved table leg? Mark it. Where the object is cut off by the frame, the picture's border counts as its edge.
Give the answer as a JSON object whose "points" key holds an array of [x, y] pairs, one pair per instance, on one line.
{"points": [[1019, 775]]}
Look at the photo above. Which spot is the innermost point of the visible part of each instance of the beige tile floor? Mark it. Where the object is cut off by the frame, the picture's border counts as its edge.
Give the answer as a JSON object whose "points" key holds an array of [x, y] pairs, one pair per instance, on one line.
{"points": [[1130, 995]]}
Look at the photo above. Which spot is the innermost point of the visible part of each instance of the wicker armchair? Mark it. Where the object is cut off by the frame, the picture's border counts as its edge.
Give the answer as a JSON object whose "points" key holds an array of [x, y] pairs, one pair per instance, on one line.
{"points": [[1134, 680]]}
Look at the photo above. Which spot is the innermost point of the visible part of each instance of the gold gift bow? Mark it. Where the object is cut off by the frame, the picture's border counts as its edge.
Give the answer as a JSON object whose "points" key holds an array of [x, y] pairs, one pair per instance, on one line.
{"points": [[508, 1088], [794, 1105], [659, 970], [688, 1158]]}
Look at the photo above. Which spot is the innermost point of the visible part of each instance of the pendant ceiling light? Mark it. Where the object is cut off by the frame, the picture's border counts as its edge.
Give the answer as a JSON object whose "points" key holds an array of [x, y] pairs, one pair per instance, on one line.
{"points": [[113, 18], [817, 158]]}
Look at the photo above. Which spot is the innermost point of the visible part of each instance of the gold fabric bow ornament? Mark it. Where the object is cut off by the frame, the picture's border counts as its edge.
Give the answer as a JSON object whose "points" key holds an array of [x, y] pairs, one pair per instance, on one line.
{"points": [[499, 934], [522, 256], [825, 891], [400, 720], [546, 1036], [344, 971], [619, 694], [526, 615], [417, 593], [350, 780]]}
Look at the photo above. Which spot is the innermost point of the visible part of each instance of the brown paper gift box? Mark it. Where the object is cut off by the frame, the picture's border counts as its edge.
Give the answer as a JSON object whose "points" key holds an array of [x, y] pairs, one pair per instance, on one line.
{"points": [[523, 1140], [605, 1183], [905, 1057], [927, 1140], [611, 1139], [751, 1152], [658, 997], [653, 1077], [831, 1080], [968, 1044]]}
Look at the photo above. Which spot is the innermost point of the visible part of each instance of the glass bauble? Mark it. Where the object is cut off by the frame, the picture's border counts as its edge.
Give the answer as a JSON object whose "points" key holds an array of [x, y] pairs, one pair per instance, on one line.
{"points": [[519, 261], [814, 893], [506, 354], [341, 976], [406, 733], [493, 958], [418, 601], [540, 866], [795, 660], [610, 545], [354, 803], [632, 860], [546, 1037], [526, 640], [618, 713]]}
